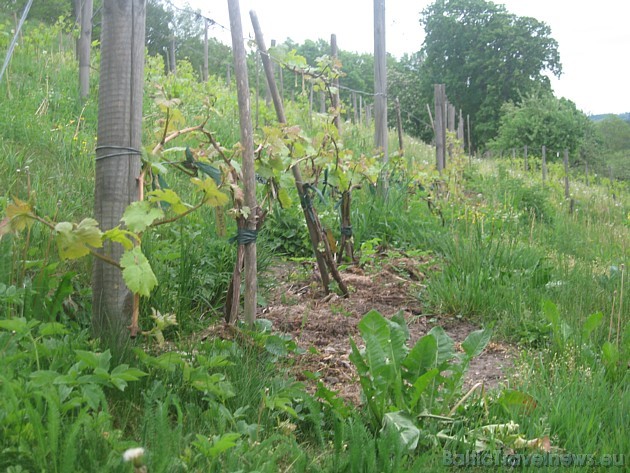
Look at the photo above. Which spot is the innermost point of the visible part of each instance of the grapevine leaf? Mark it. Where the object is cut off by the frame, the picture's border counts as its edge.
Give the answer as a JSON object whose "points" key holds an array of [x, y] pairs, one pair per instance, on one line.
{"points": [[283, 197], [121, 236], [170, 197], [74, 241], [210, 171], [137, 272], [139, 215], [18, 213], [213, 196]]}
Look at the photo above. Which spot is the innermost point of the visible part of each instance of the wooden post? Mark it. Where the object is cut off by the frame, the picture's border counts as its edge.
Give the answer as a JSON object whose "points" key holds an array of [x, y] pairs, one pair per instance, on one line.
{"points": [[334, 52], [322, 102], [380, 82], [460, 128], [247, 146], [451, 117], [258, 88], [171, 53], [440, 132], [360, 109], [205, 50], [544, 164], [324, 259], [355, 111], [525, 158], [399, 126], [84, 46], [513, 158], [567, 194], [469, 142]]}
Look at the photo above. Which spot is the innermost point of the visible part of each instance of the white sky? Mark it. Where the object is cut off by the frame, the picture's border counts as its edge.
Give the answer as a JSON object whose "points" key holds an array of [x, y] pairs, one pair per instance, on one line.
{"points": [[593, 37]]}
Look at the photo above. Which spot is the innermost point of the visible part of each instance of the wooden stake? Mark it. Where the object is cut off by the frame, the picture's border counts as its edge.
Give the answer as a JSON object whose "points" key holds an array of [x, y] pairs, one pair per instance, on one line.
{"points": [[544, 164], [399, 126], [247, 146], [336, 102]]}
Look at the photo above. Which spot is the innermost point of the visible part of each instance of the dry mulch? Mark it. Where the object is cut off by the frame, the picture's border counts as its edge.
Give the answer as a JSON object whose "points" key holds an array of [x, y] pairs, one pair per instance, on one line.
{"points": [[323, 324]]}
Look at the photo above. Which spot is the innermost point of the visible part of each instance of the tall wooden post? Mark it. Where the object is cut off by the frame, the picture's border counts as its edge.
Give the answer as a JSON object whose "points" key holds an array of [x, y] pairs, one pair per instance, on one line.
{"points": [[469, 142], [567, 194], [334, 52], [118, 152], [247, 146], [205, 50], [355, 111], [380, 81], [84, 47], [399, 126], [440, 132], [544, 164]]}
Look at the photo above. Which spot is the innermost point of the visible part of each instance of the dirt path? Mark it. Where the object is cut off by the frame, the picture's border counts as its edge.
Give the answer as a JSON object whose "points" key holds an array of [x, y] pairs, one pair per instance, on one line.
{"points": [[322, 325]]}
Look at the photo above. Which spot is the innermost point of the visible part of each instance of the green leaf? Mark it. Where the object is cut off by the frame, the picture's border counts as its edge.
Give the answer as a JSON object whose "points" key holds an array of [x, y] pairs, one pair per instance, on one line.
{"points": [[94, 360], [592, 322], [212, 195], [445, 345], [18, 325], [210, 171], [420, 386], [170, 197], [403, 424], [421, 358], [476, 342], [511, 399], [284, 199], [139, 215], [137, 272], [74, 241], [124, 237], [610, 354]]}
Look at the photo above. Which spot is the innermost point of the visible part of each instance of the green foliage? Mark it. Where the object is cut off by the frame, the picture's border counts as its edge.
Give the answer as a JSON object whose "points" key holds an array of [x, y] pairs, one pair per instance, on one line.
{"points": [[543, 120], [399, 383], [486, 56]]}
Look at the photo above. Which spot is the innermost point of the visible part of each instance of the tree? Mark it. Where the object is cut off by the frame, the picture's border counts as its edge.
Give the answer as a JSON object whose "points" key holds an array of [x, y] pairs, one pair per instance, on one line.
{"points": [[614, 132], [117, 181], [486, 57], [543, 119]]}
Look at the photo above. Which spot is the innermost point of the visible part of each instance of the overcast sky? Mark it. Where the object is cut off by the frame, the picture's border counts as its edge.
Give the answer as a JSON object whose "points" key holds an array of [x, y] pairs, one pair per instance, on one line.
{"points": [[593, 37]]}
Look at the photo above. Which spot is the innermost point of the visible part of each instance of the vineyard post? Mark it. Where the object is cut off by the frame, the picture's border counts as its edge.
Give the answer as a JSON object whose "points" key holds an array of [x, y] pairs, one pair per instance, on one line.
{"points": [[324, 260], [205, 50], [469, 142], [451, 117], [544, 164], [354, 107], [247, 145], [399, 126], [84, 45], [334, 52], [117, 169], [567, 193], [525, 158], [440, 133], [380, 84]]}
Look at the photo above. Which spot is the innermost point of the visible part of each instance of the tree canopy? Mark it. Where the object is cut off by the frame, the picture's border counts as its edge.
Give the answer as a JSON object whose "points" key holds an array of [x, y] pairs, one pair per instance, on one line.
{"points": [[486, 56], [543, 119]]}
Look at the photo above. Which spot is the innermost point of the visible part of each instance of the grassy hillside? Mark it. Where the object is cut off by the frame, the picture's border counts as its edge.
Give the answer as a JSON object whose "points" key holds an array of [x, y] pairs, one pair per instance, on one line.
{"points": [[501, 250]]}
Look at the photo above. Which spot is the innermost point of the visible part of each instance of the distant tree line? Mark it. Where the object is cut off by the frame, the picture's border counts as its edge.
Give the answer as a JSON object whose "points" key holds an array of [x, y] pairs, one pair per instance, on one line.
{"points": [[495, 66]]}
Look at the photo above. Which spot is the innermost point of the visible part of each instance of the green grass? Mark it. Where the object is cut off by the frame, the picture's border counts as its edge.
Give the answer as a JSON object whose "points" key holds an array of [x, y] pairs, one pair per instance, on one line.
{"points": [[504, 244]]}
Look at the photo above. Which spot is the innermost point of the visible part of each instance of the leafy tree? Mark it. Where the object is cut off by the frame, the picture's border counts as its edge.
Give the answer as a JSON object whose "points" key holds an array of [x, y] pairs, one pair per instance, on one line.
{"points": [[486, 56], [614, 132], [543, 119]]}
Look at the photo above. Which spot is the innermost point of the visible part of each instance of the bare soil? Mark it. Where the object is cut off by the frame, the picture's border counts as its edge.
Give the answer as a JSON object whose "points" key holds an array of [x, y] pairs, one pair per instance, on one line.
{"points": [[323, 324]]}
